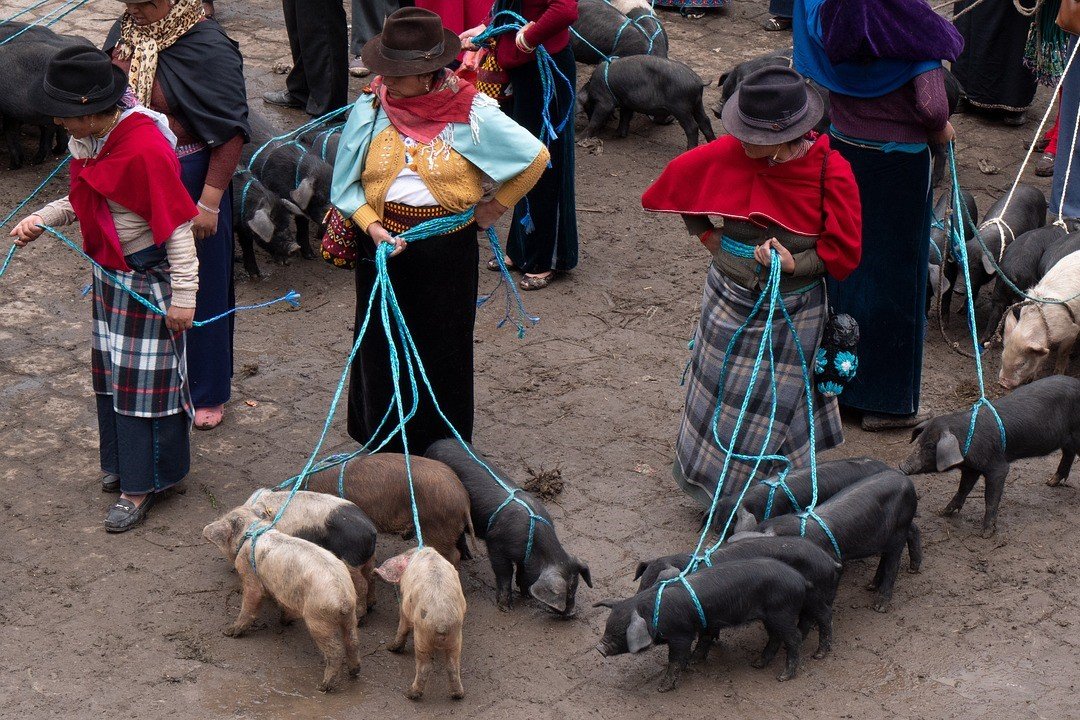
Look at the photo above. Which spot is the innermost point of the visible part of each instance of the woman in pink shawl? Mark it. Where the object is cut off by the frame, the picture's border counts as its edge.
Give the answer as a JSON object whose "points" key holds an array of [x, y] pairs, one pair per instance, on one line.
{"points": [[458, 15]]}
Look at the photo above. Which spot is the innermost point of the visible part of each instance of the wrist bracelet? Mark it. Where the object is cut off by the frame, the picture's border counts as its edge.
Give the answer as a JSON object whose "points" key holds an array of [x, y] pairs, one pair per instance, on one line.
{"points": [[207, 208]]}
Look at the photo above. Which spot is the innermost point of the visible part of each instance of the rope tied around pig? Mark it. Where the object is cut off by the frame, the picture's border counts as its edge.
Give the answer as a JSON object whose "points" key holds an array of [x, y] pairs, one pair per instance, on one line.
{"points": [[635, 22], [700, 555], [393, 323]]}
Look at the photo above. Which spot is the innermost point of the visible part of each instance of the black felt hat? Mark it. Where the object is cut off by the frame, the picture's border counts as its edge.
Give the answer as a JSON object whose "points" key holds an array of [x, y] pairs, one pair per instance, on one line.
{"points": [[413, 42], [79, 81], [771, 106]]}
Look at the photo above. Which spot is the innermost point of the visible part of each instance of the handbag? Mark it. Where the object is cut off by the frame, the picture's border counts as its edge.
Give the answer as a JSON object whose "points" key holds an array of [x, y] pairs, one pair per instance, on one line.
{"points": [[489, 77], [836, 361], [1068, 17], [339, 241]]}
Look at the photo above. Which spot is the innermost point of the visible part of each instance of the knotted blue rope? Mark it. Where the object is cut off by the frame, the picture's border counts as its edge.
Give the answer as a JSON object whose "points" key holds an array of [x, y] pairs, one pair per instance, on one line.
{"points": [[548, 73], [292, 297], [773, 485], [392, 319], [958, 233]]}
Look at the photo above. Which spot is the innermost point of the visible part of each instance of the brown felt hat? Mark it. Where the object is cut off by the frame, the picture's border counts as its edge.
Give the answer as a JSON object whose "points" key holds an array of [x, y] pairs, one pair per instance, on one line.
{"points": [[771, 106], [413, 42]]}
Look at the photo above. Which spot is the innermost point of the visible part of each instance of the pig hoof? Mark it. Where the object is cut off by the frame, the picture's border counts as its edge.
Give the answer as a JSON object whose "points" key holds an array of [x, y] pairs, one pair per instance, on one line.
{"points": [[325, 686], [758, 663], [785, 676], [354, 671], [1054, 480], [949, 511], [233, 631], [881, 606], [396, 647], [457, 695], [666, 685], [820, 653], [414, 694], [871, 586], [988, 532]]}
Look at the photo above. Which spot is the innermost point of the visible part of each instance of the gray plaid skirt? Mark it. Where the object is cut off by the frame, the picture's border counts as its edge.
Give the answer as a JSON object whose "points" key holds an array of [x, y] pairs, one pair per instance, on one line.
{"points": [[725, 307]]}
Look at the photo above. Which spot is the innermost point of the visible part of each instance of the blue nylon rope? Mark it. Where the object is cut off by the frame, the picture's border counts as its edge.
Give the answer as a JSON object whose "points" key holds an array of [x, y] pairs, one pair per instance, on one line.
{"points": [[292, 297], [33, 193], [310, 125], [35, 6], [63, 13]]}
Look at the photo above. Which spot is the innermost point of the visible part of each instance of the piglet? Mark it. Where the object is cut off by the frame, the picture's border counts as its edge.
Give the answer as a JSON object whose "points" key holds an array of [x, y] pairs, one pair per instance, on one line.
{"points": [[1043, 328], [655, 86], [1020, 265], [1040, 418], [819, 568], [549, 574], [433, 609], [1025, 212], [832, 477], [874, 516], [732, 594], [261, 218], [304, 579], [379, 486], [330, 522]]}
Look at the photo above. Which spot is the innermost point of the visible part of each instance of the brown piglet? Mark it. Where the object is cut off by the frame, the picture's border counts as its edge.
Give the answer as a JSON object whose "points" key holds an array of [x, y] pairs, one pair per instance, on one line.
{"points": [[433, 609], [304, 579], [379, 485]]}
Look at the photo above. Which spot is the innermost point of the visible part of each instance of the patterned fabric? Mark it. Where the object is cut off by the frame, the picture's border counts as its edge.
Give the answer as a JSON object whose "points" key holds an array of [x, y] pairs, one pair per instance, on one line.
{"points": [[141, 44], [491, 79], [724, 309], [339, 241], [398, 218], [135, 358]]}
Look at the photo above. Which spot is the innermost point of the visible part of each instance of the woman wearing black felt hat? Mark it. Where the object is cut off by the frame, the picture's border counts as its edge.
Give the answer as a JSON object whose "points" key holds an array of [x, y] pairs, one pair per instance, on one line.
{"points": [[778, 187], [136, 222]]}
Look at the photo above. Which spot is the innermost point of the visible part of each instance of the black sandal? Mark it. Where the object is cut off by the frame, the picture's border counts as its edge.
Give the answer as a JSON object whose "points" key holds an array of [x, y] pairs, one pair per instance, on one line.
{"points": [[777, 24], [124, 514], [110, 483]]}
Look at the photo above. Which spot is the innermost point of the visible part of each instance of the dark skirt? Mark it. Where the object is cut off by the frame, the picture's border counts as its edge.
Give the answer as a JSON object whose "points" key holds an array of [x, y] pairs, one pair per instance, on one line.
{"points": [[553, 241], [210, 348], [991, 66], [887, 292], [149, 454], [724, 308], [782, 8], [435, 280]]}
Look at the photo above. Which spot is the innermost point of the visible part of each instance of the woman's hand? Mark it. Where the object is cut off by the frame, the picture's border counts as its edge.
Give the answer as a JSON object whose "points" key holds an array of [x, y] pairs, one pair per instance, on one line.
{"points": [[378, 234], [204, 225], [944, 136], [27, 230], [521, 41], [488, 213], [467, 36], [763, 254], [179, 319]]}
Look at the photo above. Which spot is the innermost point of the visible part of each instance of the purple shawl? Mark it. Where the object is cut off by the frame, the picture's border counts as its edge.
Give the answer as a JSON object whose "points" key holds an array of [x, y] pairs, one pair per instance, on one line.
{"points": [[864, 30]]}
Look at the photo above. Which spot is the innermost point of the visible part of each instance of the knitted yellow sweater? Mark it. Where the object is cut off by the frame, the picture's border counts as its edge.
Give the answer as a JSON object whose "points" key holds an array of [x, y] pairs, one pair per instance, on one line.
{"points": [[454, 181]]}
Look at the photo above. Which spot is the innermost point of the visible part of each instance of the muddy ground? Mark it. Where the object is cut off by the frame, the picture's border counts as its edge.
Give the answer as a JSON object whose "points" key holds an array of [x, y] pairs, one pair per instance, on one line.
{"points": [[129, 626]]}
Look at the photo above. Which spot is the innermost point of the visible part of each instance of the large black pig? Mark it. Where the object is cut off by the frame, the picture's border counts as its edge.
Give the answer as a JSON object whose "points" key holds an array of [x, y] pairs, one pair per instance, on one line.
{"points": [[655, 86], [1039, 418], [819, 568], [549, 574], [732, 594], [601, 32]]}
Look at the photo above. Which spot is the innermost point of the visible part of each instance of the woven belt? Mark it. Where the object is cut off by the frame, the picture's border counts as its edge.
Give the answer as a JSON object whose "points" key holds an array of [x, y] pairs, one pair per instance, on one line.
{"points": [[398, 218]]}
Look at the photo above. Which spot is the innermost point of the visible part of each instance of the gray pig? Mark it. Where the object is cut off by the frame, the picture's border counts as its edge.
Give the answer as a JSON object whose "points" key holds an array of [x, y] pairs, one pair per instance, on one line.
{"points": [[1026, 211], [654, 86], [1039, 419], [613, 34], [732, 594], [874, 516], [550, 574]]}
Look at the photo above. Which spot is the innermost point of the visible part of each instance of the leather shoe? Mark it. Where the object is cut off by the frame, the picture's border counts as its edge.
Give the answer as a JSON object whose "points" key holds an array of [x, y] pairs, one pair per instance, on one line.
{"points": [[282, 98], [124, 515], [110, 483]]}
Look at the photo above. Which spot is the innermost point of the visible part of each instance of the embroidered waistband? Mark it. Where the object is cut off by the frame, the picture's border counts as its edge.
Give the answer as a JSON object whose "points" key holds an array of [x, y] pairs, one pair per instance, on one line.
{"points": [[189, 149]]}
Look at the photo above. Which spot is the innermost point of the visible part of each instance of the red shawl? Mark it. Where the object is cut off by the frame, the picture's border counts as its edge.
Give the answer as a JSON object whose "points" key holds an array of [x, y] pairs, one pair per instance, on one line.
{"points": [[719, 179], [137, 169], [423, 117]]}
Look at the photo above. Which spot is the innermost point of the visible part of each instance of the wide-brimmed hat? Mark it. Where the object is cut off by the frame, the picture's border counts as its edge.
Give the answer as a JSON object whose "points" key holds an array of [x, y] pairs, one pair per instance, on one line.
{"points": [[771, 106], [413, 42], [79, 81]]}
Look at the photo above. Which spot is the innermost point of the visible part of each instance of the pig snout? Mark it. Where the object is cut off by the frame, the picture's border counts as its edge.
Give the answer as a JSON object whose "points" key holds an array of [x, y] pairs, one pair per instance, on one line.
{"points": [[910, 464]]}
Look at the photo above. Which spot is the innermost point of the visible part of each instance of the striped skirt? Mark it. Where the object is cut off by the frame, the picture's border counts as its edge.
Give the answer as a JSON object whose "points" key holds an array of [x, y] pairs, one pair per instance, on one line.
{"points": [[699, 460]]}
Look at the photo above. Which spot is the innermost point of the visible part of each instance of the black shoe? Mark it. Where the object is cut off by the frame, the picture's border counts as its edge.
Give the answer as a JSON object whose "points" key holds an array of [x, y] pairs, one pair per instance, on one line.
{"points": [[282, 98], [110, 483], [124, 515], [1014, 119]]}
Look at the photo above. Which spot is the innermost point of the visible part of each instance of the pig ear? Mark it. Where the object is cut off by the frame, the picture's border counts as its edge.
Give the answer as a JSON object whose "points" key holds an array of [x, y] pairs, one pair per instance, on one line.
{"points": [[918, 430], [220, 533], [303, 193], [948, 452], [723, 78], [1038, 349], [744, 520], [637, 634], [392, 570], [262, 225], [586, 574], [292, 207], [988, 265], [607, 602], [641, 568], [550, 589]]}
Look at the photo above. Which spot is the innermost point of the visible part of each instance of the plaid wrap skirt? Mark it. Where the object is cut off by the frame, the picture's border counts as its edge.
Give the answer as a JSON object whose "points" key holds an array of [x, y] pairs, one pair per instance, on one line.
{"points": [[134, 357], [725, 307]]}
